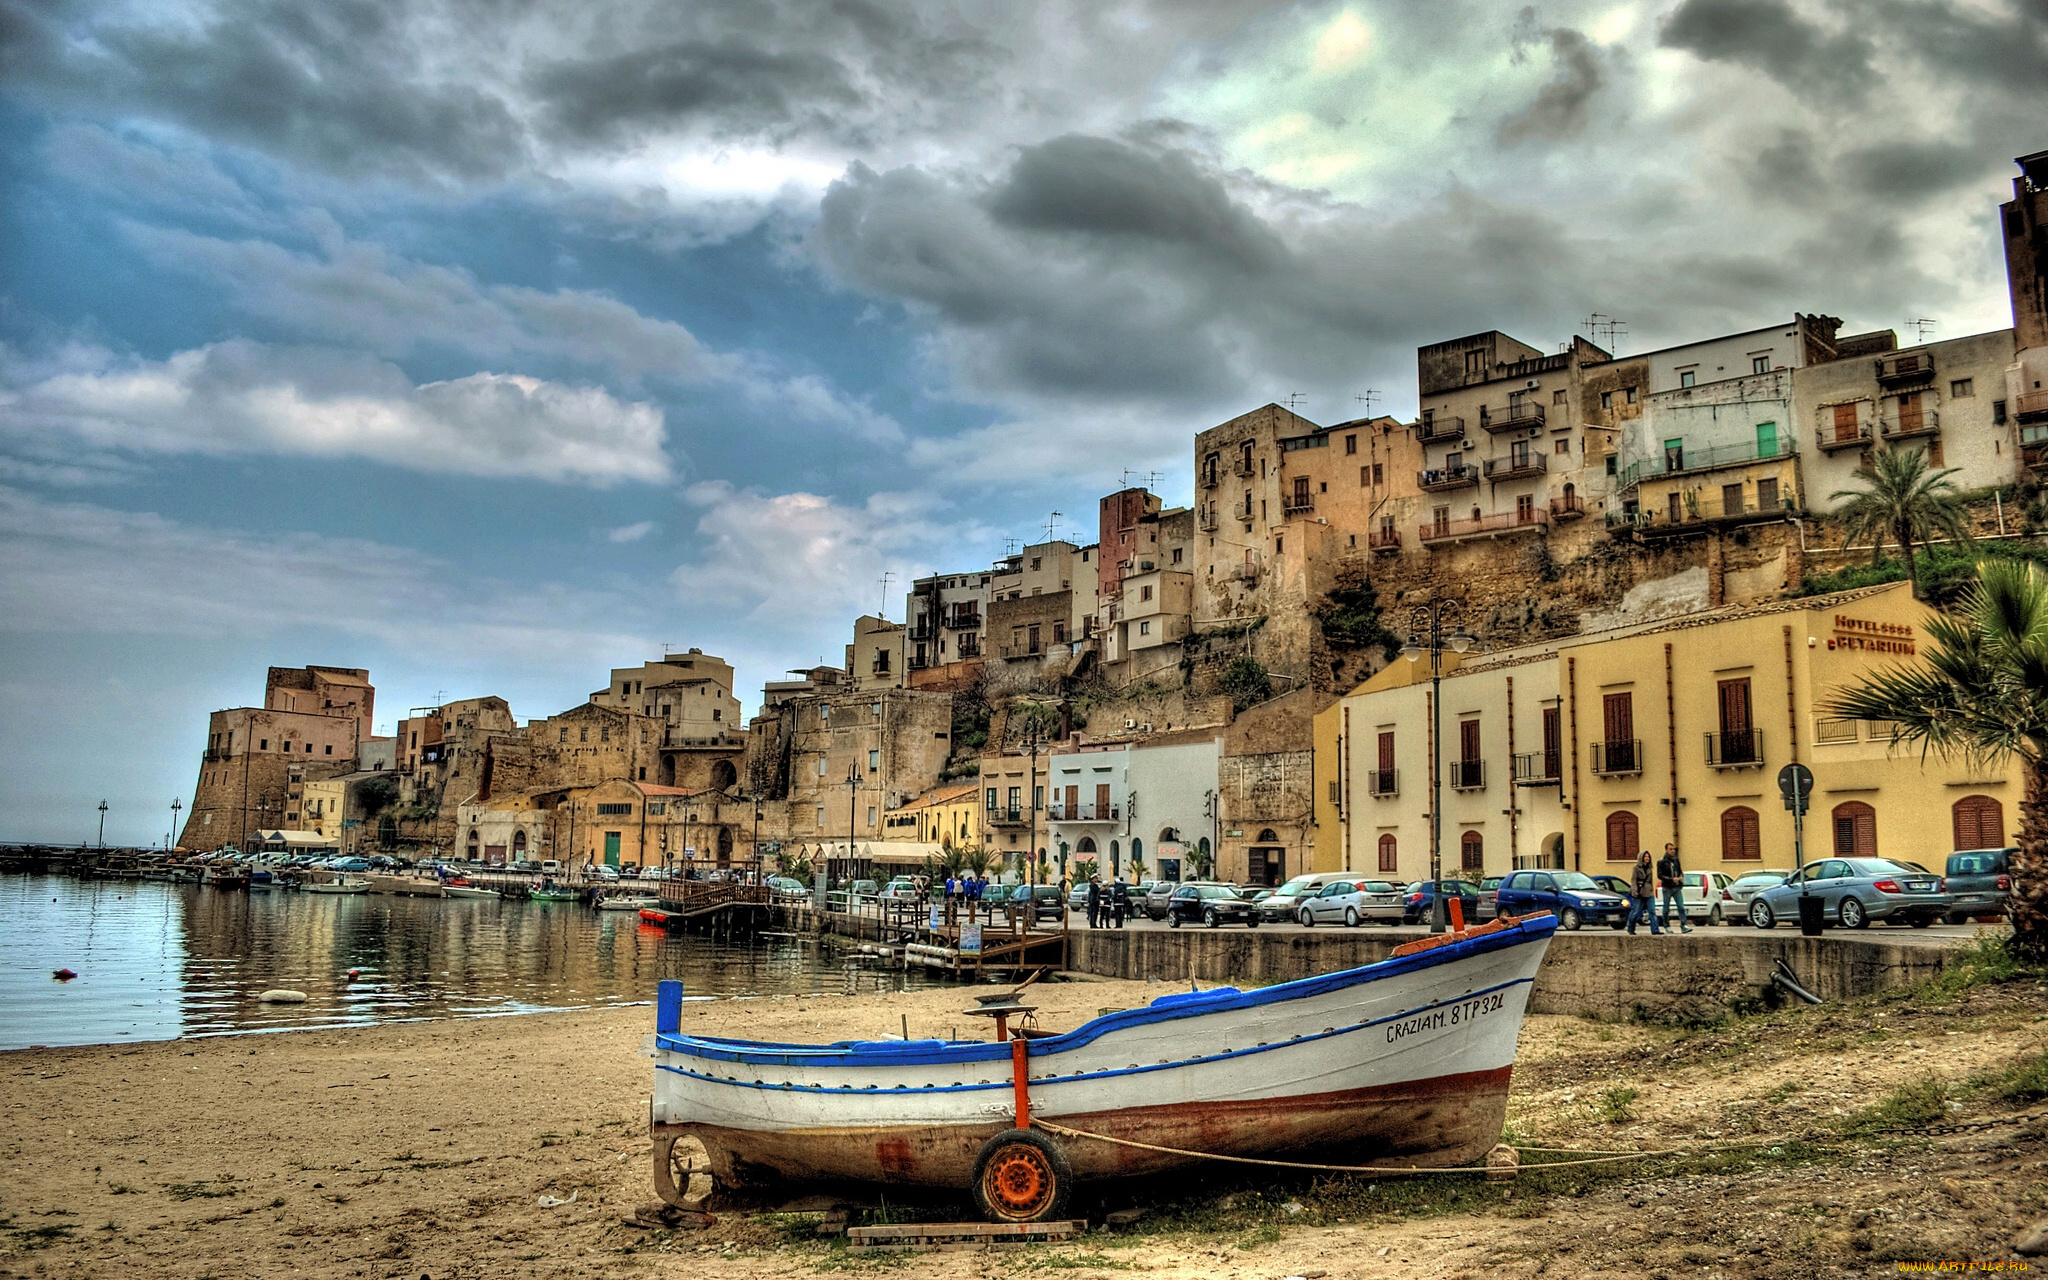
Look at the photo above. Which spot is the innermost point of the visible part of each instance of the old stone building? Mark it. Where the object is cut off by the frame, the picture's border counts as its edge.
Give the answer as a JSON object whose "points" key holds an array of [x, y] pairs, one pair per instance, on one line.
{"points": [[257, 759], [703, 736], [2023, 221], [826, 762]]}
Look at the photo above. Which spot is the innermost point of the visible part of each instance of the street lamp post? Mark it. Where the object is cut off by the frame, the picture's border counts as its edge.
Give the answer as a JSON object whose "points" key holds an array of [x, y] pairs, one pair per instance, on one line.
{"points": [[103, 824], [177, 804], [1426, 635], [852, 798]]}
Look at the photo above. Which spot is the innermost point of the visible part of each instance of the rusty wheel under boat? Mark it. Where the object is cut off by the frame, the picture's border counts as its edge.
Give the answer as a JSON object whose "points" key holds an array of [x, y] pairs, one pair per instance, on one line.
{"points": [[1022, 1176]]}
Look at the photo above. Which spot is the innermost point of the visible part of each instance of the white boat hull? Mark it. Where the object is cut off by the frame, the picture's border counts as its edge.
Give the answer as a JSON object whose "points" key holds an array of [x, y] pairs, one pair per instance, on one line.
{"points": [[1406, 1061]]}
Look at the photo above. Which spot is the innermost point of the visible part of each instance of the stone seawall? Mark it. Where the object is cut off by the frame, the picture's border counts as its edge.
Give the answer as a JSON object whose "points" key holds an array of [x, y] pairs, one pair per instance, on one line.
{"points": [[1593, 975]]}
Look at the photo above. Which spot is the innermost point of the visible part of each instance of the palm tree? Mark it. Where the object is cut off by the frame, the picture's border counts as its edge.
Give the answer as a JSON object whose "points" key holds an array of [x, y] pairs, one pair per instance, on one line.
{"points": [[1905, 502], [1982, 695]]}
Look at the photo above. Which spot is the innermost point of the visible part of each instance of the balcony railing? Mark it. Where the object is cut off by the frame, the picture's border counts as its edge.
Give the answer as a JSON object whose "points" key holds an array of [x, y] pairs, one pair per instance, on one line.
{"points": [[216, 753], [1831, 438], [2032, 406], [1618, 758], [1210, 477], [1295, 503], [1085, 812], [1209, 520], [1384, 541], [1536, 519], [1444, 479], [1517, 465], [1242, 511], [1538, 768], [967, 646], [1440, 426], [1677, 462], [1005, 817], [717, 740], [1740, 749], [1903, 371], [1383, 784], [1905, 427], [1465, 775], [1703, 512], [965, 621], [1569, 507], [1518, 414], [1244, 465]]}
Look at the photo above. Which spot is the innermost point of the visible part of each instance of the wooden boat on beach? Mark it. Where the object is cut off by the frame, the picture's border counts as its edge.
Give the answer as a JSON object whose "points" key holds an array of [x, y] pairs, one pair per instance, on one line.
{"points": [[1403, 1062]]}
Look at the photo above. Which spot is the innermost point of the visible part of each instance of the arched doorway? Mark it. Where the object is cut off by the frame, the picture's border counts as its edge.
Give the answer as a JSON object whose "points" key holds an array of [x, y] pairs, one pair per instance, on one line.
{"points": [[1265, 861], [1471, 852], [1116, 860], [724, 846], [1390, 854], [1137, 856], [518, 845], [666, 773], [1552, 854], [724, 777], [1855, 827], [1979, 823], [474, 844]]}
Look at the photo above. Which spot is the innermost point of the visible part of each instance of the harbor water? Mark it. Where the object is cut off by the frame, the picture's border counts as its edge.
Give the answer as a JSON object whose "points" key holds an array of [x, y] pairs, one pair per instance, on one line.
{"points": [[157, 960]]}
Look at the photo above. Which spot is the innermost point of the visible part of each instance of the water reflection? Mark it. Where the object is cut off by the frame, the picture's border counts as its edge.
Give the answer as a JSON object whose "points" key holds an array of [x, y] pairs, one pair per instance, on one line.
{"points": [[157, 961]]}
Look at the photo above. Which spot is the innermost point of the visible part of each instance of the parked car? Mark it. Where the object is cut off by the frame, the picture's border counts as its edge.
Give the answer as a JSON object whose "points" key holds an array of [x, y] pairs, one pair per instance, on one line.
{"points": [[1489, 897], [1749, 884], [1706, 897], [1077, 896], [603, 872], [1285, 901], [1045, 902], [1574, 898], [1855, 891], [1351, 903], [1155, 898], [861, 891], [789, 889], [901, 889], [1614, 884], [1212, 904], [1979, 881], [349, 864], [1417, 900]]}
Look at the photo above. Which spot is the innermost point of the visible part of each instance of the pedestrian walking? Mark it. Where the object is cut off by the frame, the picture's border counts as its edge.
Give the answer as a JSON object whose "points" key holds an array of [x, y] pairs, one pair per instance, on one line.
{"points": [[1671, 879], [1119, 901], [1094, 902], [1643, 895]]}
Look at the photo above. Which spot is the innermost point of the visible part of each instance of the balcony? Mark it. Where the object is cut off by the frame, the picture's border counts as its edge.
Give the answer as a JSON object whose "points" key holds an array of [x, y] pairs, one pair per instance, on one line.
{"points": [[1385, 542], [1210, 476], [1465, 775], [965, 620], [1244, 465], [1618, 759], [1209, 520], [1905, 370], [1506, 522], [1741, 749], [1570, 507], [1907, 426], [1539, 769], [1831, 438], [715, 742], [1678, 462], [1086, 812], [2032, 406], [1436, 427], [1242, 511], [1698, 515], [1517, 466], [967, 646], [216, 753], [1446, 479], [1518, 415], [1298, 503], [1006, 817], [1383, 784]]}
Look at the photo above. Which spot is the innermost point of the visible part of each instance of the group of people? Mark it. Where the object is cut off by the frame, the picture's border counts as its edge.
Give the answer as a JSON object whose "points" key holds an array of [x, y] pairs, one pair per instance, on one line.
{"points": [[1108, 904], [1668, 875], [964, 893]]}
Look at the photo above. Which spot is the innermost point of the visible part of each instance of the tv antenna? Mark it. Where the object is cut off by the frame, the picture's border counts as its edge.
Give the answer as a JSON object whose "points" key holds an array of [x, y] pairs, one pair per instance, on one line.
{"points": [[1052, 525], [1150, 478], [1922, 327], [1367, 400], [1293, 400], [888, 576], [1606, 328]]}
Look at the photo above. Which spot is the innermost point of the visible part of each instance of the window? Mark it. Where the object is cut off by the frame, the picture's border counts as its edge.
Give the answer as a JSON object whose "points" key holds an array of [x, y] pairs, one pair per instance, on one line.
{"points": [[263, 744], [1998, 411], [1176, 554], [824, 712], [821, 766], [1606, 399], [875, 709], [1759, 364], [1475, 363], [1379, 473], [1611, 469], [1016, 799], [657, 808], [1739, 841], [1279, 543], [327, 750], [1855, 825], [1351, 444], [565, 733], [1979, 823], [821, 817], [1471, 852], [874, 761], [1962, 388], [1144, 628], [871, 815], [1767, 494], [1389, 854], [1685, 379], [614, 810], [1525, 508], [1628, 395], [991, 799], [1624, 839], [1145, 592], [1557, 397], [1562, 446]]}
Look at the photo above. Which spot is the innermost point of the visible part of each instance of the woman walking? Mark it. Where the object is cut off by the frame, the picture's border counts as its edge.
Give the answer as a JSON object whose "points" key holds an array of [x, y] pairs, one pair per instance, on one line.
{"points": [[1643, 895]]}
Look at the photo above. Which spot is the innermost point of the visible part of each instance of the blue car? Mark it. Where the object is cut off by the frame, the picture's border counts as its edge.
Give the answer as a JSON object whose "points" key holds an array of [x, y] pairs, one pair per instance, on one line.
{"points": [[1855, 891], [1572, 897]]}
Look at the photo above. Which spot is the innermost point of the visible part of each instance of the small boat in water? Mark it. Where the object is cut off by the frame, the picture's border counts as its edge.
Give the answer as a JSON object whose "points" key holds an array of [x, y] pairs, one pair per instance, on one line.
{"points": [[625, 901], [344, 884], [549, 893], [457, 889], [1403, 1062], [406, 886]]}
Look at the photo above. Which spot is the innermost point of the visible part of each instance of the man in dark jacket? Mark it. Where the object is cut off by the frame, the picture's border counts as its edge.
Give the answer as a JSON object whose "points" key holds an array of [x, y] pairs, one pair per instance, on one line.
{"points": [[1671, 879], [1119, 901], [1643, 895], [1094, 902]]}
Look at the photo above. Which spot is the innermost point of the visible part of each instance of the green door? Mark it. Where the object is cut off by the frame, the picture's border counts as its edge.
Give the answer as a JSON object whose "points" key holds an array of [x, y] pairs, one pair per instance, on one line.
{"points": [[611, 848], [1766, 439]]}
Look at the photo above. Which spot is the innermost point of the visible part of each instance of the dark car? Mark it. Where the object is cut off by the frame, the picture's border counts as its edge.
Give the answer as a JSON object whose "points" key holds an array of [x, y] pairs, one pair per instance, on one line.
{"points": [[1613, 884], [1417, 898], [1045, 902], [1212, 904], [1575, 899], [1979, 880]]}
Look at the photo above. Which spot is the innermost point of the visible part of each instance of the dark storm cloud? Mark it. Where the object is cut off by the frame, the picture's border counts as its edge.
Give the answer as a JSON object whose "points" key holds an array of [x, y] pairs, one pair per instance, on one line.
{"points": [[1912, 170], [1560, 108], [1768, 36], [734, 86]]}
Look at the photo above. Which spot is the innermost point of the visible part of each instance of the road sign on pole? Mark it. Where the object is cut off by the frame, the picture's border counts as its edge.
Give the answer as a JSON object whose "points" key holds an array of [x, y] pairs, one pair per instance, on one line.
{"points": [[1795, 783]]}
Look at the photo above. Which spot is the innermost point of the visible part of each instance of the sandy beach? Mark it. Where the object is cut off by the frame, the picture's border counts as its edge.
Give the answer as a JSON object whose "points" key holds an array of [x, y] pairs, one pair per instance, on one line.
{"points": [[423, 1150]]}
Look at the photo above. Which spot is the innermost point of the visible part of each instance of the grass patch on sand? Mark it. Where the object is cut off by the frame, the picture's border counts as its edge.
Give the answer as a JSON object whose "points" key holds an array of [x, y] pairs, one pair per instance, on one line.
{"points": [[1908, 1107]]}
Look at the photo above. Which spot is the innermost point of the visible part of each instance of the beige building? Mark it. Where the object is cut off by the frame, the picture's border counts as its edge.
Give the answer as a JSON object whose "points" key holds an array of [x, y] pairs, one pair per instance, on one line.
{"points": [[877, 658], [613, 823], [257, 760], [947, 817]]}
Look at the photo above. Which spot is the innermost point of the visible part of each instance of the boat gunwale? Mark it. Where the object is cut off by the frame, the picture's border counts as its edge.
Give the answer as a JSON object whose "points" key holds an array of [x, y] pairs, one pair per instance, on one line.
{"points": [[903, 1053]]}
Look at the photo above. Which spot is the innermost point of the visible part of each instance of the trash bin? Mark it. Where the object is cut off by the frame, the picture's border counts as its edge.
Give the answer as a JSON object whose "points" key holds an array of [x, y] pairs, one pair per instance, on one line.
{"points": [[1810, 914]]}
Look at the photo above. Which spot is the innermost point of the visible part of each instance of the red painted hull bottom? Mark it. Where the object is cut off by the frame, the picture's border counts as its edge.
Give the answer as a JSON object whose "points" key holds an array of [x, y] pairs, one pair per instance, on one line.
{"points": [[1449, 1120]]}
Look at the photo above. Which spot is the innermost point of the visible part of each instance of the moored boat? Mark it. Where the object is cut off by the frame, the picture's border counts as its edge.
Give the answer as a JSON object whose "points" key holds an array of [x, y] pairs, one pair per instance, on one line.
{"points": [[626, 901], [405, 886], [341, 884], [457, 889], [541, 893], [1403, 1062]]}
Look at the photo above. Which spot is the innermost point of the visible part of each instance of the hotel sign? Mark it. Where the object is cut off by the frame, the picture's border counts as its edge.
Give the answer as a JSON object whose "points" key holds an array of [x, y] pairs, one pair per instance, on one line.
{"points": [[1871, 636]]}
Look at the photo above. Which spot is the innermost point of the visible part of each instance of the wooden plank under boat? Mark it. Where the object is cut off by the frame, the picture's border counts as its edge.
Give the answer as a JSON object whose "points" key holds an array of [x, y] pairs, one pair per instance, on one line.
{"points": [[1403, 1061]]}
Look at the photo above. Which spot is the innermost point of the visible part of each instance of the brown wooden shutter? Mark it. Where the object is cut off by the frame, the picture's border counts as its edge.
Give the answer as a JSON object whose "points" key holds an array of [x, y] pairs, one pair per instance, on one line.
{"points": [[1979, 823], [1622, 844], [1619, 716], [1468, 741], [1101, 801], [1739, 835], [1855, 829], [1073, 803], [1471, 852], [1386, 750], [1845, 422], [1389, 859], [1909, 412], [1735, 706]]}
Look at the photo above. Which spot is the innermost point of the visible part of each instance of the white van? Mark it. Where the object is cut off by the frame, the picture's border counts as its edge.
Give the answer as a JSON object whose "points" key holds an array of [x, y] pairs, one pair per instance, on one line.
{"points": [[551, 868], [1285, 902]]}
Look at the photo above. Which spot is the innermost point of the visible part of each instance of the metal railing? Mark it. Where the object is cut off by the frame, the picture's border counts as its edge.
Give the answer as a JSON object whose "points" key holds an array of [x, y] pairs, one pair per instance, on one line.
{"points": [[1538, 768], [1382, 784], [1438, 479], [961, 621], [1242, 510], [1209, 477], [1209, 520], [1736, 749], [1005, 817], [1834, 730], [1831, 438], [1618, 758], [1465, 775], [1384, 540], [1516, 465], [1485, 526], [1700, 511], [1244, 466], [1926, 423], [1569, 507], [1904, 370], [1296, 502], [1431, 428], [1085, 812], [1679, 462], [1518, 414]]}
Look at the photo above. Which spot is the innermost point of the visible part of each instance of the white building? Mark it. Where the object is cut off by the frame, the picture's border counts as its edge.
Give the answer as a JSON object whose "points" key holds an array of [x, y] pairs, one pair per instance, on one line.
{"points": [[1087, 809], [1171, 800]]}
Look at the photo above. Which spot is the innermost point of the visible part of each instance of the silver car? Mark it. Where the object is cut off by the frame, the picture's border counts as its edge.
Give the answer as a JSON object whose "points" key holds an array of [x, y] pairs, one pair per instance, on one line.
{"points": [[1855, 891], [1750, 884], [1351, 903]]}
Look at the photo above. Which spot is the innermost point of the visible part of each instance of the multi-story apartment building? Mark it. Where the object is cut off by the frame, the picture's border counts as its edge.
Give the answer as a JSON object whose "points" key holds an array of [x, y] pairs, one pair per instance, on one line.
{"points": [[2024, 223], [944, 616], [692, 694], [878, 656], [1087, 807]]}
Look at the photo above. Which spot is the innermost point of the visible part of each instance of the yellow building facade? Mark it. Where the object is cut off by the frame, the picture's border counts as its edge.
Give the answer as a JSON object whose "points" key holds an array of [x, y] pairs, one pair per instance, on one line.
{"points": [[1585, 752], [948, 816]]}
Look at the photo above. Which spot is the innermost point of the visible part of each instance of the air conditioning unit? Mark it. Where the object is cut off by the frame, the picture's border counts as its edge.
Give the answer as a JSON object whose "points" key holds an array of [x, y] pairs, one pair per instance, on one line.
{"points": [[1130, 724], [1144, 728], [1534, 383]]}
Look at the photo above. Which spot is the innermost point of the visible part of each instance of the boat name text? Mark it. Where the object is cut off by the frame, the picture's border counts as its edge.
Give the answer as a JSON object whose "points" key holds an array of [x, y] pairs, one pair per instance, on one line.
{"points": [[1447, 1016]]}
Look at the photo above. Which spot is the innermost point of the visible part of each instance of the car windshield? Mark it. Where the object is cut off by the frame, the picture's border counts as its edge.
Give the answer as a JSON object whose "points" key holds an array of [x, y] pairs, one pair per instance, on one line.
{"points": [[1975, 864], [1883, 867], [1215, 891], [1379, 886], [1300, 884], [1573, 880]]}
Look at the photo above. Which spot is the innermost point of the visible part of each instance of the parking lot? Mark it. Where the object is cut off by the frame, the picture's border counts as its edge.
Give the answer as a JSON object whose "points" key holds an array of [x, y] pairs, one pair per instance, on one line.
{"points": [[1949, 933]]}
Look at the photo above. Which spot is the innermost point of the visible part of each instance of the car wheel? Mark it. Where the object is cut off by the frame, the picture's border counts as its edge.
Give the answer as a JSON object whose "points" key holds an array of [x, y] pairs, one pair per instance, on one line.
{"points": [[1852, 914], [1173, 920], [1921, 922], [1569, 918], [1210, 918], [1308, 919], [1714, 917], [1350, 918], [1251, 921], [1761, 916]]}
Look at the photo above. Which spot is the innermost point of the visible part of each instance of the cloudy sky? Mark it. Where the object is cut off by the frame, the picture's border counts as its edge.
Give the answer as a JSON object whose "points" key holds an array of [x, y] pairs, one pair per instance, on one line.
{"points": [[491, 343]]}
